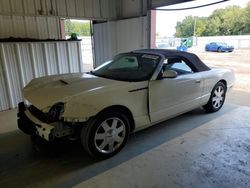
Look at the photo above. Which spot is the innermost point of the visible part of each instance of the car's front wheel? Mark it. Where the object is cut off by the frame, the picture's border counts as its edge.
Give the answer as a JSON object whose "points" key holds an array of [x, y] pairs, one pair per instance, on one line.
{"points": [[219, 49], [106, 134], [217, 98]]}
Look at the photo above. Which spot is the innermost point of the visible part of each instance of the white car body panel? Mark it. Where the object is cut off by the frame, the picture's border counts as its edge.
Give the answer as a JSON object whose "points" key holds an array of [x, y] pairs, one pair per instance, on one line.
{"points": [[46, 91], [86, 95], [171, 96], [152, 101]]}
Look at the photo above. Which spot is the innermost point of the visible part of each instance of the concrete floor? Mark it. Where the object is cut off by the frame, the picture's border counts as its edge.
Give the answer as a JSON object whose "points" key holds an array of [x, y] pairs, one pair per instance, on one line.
{"points": [[192, 150]]}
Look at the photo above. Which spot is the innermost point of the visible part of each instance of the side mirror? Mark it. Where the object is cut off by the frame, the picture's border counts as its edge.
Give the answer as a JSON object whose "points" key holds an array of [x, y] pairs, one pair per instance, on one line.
{"points": [[169, 74]]}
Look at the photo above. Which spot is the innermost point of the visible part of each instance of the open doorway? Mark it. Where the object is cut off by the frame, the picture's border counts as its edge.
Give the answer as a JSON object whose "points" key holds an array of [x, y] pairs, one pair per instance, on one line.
{"points": [[196, 23], [71, 28], [195, 28]]}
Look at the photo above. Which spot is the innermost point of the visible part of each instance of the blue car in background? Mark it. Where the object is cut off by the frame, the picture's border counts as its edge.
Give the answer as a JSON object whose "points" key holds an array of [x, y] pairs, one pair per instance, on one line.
{"points": [[218, 47]]}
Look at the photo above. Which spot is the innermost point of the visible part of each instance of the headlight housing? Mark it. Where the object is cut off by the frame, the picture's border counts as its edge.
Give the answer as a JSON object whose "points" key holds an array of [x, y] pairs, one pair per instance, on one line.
{"points": [[56, 112]]}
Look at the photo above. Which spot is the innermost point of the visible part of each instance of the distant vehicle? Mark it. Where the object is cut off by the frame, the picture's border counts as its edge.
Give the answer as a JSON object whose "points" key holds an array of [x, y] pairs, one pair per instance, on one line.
{"points": [[182, 48], [218, 47], [162, 46]]}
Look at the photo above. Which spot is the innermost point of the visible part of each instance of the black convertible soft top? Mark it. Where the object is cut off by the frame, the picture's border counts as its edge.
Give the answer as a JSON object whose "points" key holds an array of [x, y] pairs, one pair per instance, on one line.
{"points": [[191, 59]]}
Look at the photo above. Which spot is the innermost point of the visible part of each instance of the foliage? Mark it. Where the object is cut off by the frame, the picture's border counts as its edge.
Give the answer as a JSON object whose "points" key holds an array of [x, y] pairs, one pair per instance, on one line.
{"points": [[81, 29], [186, 27], [232, 20]]}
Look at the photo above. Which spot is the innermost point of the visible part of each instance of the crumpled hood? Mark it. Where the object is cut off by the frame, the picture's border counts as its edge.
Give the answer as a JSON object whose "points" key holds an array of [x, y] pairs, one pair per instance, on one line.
{"points": [[46, 91]]}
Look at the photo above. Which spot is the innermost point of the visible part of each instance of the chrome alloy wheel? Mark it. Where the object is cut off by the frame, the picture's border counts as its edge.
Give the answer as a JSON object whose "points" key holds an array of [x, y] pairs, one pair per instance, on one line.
{"points": [[110, 135], [218, 97]]}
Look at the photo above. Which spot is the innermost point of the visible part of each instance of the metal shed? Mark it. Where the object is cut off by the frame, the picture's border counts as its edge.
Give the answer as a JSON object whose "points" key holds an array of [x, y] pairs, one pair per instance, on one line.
{"points": [[120, 25]]}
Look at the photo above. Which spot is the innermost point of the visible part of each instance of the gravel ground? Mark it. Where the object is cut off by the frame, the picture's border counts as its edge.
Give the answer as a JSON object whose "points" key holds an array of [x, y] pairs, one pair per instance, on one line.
{"points": [[239, 61]]}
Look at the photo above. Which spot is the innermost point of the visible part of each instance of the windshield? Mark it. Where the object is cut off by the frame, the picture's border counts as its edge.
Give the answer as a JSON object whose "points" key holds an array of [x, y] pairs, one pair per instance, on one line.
{"points": [[222, 43], [129, 67]]}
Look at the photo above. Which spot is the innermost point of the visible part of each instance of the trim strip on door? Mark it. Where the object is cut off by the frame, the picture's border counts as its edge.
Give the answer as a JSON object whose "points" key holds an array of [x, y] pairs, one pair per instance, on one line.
{"points": [[139, 89]]}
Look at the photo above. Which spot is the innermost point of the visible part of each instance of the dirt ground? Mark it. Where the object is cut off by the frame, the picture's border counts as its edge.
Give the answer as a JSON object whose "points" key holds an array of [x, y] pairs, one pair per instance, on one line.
{"points": [[238, 61]]}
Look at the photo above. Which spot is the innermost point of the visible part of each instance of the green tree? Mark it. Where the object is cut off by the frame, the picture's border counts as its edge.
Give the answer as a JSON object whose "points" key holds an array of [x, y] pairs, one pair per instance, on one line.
{"points": [[67, 26], [200, 26], [81, 29], [247, 19], [186, 27], [212, 27], [232, 20]]}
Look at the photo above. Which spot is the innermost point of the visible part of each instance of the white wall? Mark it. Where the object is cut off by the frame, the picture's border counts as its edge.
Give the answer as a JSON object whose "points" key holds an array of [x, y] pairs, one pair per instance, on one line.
{"points": [[240, 41], [29, 27], [21, 62], [111, 38]]}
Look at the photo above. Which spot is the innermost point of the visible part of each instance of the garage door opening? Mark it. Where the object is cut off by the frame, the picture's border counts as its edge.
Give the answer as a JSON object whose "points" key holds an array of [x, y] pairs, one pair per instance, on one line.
{"points": [[82, 30], [195, 29]]}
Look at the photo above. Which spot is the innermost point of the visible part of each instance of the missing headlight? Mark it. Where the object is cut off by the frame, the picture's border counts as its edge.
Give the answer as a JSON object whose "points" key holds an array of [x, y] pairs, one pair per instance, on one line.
{"points": [[55, 113]]}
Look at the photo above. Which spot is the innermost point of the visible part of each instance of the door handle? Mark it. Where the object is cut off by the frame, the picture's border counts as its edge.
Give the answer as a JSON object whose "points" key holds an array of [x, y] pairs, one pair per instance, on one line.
{"points": [[197, 81]]}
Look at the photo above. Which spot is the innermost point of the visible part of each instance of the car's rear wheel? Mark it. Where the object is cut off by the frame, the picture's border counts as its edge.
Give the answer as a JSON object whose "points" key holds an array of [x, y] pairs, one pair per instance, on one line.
{"points": [[219, 50], [217, 98], [105, 135]]}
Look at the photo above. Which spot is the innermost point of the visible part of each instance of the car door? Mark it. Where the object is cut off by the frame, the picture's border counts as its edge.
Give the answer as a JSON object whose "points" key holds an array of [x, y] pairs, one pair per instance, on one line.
{"points": [[169, 97], [213, 46]]}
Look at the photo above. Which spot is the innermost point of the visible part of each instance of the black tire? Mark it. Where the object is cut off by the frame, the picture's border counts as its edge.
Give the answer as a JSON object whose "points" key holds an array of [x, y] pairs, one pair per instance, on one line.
{"points": [[94, 126], [210, 106], [219, 50]]}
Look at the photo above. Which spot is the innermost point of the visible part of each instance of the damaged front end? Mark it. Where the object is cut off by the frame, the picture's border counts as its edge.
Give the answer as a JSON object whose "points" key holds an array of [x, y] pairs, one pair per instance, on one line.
{"points": [[48, 125]]}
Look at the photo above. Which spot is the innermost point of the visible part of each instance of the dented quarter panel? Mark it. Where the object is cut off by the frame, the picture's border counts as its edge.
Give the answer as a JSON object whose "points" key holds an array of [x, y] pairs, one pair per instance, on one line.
{"points": [[82, 107]]}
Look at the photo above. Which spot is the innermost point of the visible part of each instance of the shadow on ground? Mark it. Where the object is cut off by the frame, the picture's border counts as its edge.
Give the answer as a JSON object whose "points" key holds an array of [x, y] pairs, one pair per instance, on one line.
{"points": [[65, 164]]}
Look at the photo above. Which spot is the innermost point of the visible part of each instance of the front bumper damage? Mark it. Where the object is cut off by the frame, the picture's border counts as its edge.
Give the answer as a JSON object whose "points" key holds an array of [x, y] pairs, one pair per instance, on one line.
{"points": [[31, 125]]}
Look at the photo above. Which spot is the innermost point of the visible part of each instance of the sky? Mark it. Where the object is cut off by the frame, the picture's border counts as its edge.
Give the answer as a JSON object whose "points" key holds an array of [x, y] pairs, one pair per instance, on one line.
{"points": [[166, 20]]}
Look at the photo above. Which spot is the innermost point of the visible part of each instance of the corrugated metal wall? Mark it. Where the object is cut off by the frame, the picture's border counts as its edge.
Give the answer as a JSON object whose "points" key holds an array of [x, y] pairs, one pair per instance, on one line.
{"points": [[131, 34], [97, 9], [132, 8], [104, 41], [20, 62], [115, 37], [30, 27], [41, 18]]}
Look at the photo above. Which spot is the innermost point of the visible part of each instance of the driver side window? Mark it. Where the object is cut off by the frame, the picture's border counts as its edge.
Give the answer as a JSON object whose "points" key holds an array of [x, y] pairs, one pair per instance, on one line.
{"points": [[178, 65]]}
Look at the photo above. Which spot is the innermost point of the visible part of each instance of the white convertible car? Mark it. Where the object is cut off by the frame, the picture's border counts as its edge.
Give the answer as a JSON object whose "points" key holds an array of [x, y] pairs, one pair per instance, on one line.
{"points": [[133, 91]]}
